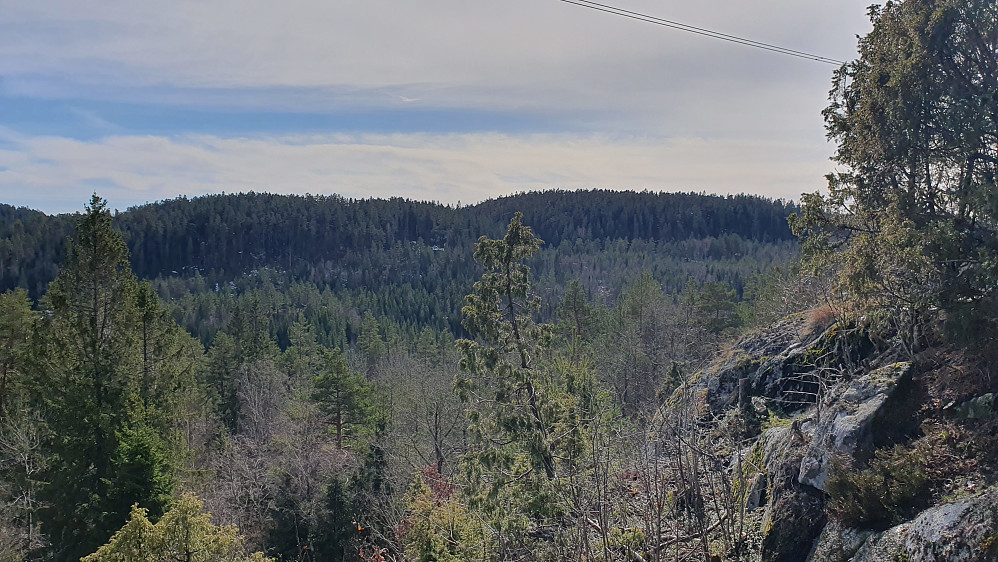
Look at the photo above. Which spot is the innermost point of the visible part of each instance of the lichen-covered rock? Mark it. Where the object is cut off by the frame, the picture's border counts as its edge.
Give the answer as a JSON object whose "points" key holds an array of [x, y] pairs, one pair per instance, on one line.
{"points": [[765, 359], [845, 426], [962, 531], [795, 514], [979, 408], [838, 543], [787, 467], [755, 495]]}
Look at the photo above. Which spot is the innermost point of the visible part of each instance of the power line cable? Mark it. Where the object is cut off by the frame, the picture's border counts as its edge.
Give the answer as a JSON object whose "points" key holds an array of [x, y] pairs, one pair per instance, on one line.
{"points": [[701, 31]]}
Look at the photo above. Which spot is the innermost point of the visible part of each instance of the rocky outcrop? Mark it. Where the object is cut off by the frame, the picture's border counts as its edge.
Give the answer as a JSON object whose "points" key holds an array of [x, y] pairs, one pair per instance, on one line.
{"points": [[962, 531], [773, 379], [795, 514], [843, 427], [764, 360]]}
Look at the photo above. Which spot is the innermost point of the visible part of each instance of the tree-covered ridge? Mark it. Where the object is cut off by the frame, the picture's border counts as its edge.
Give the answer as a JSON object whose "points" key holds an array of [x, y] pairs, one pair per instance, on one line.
{"points": [[333, 240], [31, 247], [331, 260], [105, 403], [604, 214]]}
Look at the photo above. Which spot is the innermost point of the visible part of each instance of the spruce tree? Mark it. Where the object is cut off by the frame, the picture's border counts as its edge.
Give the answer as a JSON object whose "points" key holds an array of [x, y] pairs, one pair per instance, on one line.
{"points": [[16, 322], [86, 373]]}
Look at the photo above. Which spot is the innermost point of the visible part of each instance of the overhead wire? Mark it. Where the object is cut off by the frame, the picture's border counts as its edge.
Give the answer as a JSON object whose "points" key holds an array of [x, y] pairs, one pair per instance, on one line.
{"points": [[702, 31]]}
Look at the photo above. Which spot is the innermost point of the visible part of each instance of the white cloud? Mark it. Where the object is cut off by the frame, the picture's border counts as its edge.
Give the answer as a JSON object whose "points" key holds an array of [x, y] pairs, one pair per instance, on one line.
{"points": [[514, 55], [58, 174]]}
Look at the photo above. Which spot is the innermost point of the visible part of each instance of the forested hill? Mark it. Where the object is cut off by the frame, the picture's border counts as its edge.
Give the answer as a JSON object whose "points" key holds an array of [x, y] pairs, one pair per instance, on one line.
{"points": [[324, 238], [604, 214]]}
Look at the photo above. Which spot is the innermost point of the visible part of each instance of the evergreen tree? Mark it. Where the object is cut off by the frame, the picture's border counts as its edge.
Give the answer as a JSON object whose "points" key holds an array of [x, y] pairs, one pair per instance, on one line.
{"points": [[531, 414], [441, 528], [16, 323], [426, 348], [912, 220], [222, 365], [338, 533], [249, 327], [342, 395], [170, 360], [184, 533], [500, 312], [370, 342], [576, 312], [86, 372], [716, 302], [302, 357]]}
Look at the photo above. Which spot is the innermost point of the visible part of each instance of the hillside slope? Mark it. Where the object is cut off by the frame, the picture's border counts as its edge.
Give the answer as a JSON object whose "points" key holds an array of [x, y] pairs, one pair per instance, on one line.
{"points": [[407, 262], [224, 236]]}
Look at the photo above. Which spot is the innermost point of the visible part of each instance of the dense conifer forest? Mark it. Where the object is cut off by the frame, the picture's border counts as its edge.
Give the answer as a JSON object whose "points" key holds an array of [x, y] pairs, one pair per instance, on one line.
{"points": [[408, 263], [322, 382]]}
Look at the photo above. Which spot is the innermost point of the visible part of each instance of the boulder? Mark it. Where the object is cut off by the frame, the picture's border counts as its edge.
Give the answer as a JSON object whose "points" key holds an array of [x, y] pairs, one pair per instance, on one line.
{"points": [[982, 407], [962, 531], [837, 543], [844, 427]]}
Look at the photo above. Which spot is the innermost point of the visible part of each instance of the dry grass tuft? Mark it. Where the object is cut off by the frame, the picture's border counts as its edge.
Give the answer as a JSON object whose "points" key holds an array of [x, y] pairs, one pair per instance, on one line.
{"points": [[819, 319]]}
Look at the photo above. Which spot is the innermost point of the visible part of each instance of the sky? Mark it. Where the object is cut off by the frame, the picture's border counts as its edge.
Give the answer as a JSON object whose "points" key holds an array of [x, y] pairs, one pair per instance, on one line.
{"points": [[443, 100]]}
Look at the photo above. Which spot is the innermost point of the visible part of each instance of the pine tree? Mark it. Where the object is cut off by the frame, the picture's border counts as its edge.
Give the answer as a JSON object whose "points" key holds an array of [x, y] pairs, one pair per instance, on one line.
{"points": [[716, 302], [342, 395]]}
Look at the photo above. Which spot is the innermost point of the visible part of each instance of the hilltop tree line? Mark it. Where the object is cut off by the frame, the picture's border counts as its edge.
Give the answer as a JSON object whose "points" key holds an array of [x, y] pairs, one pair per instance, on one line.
{"points": [[404, 262], [347, 243]]}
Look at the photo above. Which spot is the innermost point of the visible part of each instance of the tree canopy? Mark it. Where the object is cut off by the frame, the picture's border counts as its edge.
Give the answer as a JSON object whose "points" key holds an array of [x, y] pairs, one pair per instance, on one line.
{"points": [[184, 533], [914, 209]]}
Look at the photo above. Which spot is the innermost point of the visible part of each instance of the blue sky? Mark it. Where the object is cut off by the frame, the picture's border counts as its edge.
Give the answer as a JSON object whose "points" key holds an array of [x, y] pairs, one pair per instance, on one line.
{"points": [[446, 100]]}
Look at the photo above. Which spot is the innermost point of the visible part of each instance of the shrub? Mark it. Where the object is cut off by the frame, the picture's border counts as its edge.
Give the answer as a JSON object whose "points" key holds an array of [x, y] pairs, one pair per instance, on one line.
{"points": [[895, 486]]}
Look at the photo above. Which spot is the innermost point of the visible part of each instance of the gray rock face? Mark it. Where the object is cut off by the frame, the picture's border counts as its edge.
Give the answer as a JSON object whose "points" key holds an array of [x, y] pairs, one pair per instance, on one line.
{"points": [[770, 369], [844, 427], [794, 514], [962, 531], [765, 359], [837, 544], [778, 338]]}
